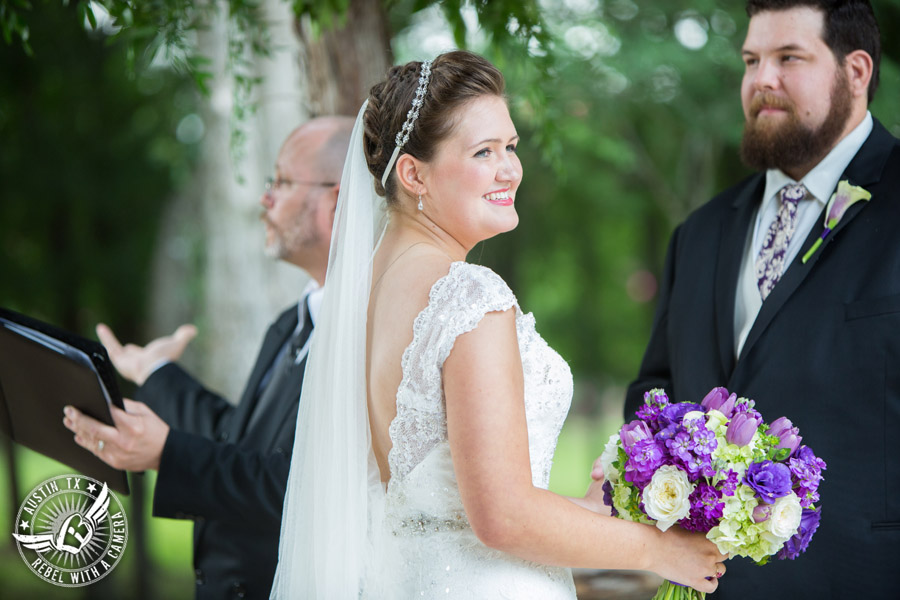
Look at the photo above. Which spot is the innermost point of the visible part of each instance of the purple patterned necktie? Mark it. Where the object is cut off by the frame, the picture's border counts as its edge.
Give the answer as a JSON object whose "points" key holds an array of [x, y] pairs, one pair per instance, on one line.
{"points": [[770, 262]]}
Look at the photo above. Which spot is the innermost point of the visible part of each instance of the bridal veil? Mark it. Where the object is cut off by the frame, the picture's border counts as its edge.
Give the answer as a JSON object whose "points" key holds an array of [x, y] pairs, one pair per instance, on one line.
{"points": [[330, 536]]}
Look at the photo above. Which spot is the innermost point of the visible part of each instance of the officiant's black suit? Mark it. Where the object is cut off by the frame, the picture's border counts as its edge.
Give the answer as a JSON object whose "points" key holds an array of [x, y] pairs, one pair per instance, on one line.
{"points": [[824, 351], [228, 477]]}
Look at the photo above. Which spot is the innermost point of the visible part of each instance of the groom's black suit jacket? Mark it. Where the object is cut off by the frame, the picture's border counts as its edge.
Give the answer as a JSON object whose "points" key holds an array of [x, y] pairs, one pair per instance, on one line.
{"points": [[228, 478], [824, 351]]}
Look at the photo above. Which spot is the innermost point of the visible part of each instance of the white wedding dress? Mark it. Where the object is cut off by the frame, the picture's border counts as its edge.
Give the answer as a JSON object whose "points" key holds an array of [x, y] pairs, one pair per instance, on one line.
{"points": [[439, 555]]}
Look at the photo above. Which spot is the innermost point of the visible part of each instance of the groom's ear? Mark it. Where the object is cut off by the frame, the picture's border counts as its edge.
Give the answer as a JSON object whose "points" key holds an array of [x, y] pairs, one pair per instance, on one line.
{"points": [[410, 171]]}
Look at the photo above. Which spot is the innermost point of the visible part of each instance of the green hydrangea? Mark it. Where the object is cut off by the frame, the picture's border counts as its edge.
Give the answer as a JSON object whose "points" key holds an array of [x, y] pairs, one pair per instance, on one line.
{"points": [[737, 534]]}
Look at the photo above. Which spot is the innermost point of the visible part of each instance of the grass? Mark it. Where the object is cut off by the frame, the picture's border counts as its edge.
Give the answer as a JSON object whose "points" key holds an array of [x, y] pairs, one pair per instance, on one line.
{"points": [[169, 573]]}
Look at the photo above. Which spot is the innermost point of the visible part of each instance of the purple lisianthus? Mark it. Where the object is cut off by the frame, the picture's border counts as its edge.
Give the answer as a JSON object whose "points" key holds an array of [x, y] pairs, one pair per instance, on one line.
{"points": [[706, 508], [668, 432], [674, 413], [770, 480], [809, 522], [788, 435], [806, 469], [643, 459], [719, 399], [742, 427]]}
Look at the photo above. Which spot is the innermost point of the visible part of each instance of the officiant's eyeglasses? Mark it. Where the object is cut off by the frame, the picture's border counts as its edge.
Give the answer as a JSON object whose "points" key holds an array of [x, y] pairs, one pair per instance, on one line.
{"points": [[273, 184]]}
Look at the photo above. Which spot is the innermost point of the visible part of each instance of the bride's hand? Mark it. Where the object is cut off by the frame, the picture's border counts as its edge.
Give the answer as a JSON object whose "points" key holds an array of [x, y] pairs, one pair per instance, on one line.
{"points": [[594, 494], [597, 473], [689, 559], [593, 497]]}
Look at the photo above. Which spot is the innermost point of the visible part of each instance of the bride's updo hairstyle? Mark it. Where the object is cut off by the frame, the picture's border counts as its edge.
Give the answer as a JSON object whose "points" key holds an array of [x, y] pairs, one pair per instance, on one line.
{"points": [[457, 77]]}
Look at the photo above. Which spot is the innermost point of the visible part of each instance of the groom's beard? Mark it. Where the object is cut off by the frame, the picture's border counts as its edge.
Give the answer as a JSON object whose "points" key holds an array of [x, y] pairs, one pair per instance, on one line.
{"points": [[792, 144]]}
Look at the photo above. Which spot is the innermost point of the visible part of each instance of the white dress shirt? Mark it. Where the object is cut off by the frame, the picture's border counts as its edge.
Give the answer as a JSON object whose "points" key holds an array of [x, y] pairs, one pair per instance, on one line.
{"points": [[821, 183]]}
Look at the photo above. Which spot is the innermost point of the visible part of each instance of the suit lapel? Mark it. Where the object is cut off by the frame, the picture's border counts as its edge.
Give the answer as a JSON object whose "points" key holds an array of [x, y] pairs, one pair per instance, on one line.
{"points": [[267, 432], [864, 170], [275, 338], [731, 253]]}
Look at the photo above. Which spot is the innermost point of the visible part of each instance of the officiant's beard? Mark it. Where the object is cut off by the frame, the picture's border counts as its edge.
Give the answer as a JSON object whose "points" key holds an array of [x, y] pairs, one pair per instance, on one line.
{"points": [[791, 144], [295, 239]]}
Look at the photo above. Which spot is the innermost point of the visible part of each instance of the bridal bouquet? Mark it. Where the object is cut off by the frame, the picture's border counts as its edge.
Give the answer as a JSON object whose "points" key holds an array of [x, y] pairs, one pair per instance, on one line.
{"points": [[718, 468]]}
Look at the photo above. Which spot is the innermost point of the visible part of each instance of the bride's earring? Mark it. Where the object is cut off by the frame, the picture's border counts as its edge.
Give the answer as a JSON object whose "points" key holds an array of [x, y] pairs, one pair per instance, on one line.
{"points": [[421, 207]]}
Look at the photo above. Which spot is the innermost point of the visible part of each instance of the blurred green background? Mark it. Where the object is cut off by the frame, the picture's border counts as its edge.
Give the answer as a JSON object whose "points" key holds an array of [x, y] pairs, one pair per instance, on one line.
{"points": [[629, 115]]}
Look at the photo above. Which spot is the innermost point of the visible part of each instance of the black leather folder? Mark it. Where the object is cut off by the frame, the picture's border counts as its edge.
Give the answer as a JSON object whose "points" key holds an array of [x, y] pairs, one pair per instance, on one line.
{"points": [[44, 368]]}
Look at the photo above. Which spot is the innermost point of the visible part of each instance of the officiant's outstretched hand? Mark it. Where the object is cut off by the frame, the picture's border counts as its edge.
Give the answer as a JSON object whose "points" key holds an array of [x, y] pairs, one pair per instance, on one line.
{"points": [[136, 363]]}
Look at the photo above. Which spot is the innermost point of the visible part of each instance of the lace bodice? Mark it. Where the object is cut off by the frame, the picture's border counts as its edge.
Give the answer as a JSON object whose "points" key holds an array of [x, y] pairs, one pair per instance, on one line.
{"points": [[423, 506]]}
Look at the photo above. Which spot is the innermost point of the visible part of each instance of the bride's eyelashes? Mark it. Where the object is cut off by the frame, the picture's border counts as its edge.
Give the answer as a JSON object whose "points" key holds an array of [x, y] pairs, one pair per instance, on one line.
{"points": [[485, 152]]}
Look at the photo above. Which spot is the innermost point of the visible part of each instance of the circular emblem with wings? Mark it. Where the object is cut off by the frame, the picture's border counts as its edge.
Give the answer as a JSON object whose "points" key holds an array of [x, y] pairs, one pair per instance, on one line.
{"points": [[71, 530]]}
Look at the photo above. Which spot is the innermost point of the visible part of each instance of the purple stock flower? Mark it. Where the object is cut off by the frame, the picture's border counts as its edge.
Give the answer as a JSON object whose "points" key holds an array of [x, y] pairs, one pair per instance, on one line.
{"points": [[654, 401], [607, 497], [704, 440], [634, 432], [742, 427], [700, 464], [720, 400], [681, 446], [729, 484], [809, 522], [706, 508], [643, 459], [807, 469], [656, 397], [770, 480], [788, 435]]}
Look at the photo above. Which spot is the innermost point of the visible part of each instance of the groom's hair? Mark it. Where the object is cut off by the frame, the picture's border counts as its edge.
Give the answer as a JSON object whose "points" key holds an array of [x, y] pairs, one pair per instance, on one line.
{"points": [[849, 25]]}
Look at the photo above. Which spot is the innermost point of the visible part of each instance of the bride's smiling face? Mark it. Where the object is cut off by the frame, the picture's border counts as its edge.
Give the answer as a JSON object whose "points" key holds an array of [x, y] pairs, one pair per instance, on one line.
{"points": [[472, 181]]}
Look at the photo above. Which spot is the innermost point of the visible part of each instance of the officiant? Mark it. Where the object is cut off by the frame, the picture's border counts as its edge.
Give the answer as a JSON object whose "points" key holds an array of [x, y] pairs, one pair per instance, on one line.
{"points": [[222, 465], [761, 296]]}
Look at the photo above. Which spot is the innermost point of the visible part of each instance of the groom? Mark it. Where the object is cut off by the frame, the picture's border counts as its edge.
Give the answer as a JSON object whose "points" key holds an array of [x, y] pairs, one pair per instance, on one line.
{"points": [[811, 335]]}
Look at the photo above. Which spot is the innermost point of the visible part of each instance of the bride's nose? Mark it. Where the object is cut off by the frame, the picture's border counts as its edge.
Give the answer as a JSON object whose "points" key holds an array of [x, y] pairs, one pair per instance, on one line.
{"points": [[510, 170]]}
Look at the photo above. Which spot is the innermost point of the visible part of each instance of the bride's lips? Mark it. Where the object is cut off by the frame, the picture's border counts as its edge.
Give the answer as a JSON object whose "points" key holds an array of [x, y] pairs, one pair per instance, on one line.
{"points": [[499, 197]]}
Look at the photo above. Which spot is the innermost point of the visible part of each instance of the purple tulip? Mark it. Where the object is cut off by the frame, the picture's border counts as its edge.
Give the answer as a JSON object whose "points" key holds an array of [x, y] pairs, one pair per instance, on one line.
{"points": [[719, 399], [762, 512], [787, 434], [634, 432], [741, 428]]}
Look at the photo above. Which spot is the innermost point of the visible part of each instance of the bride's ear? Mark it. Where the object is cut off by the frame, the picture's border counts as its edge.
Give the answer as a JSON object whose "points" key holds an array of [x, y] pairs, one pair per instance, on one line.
{"points": [[410, 171]]}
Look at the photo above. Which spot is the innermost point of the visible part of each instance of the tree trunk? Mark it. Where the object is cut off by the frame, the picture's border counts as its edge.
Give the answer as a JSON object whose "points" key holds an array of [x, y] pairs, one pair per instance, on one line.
{"points": [[210, 266], [343, 63]]}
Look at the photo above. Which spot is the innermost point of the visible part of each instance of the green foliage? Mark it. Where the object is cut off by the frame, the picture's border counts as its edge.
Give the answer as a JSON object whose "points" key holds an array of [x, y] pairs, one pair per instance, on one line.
{"points": [[12, 22], [89, 158]]}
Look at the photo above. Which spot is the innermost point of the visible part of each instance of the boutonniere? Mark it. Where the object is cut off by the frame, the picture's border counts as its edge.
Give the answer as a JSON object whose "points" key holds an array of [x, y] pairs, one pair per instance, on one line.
{"points": [[846, 196]]}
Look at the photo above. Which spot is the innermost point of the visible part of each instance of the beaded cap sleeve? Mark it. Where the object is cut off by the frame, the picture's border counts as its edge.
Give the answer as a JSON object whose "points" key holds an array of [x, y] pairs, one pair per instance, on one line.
{"points": [[456, 304]]}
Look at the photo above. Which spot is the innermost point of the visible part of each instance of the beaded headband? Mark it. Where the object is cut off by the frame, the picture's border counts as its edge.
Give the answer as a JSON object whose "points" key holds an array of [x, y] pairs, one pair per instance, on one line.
{"points": [[411, 116]]}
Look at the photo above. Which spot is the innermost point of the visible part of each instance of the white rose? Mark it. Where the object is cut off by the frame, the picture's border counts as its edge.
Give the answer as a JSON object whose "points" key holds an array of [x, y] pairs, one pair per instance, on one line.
{"points": [[666, 498], [609, 456], [785, 519]]}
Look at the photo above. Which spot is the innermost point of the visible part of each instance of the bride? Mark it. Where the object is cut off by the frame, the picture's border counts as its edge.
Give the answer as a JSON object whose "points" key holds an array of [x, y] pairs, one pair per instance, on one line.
{"points": [[431, 406]]}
